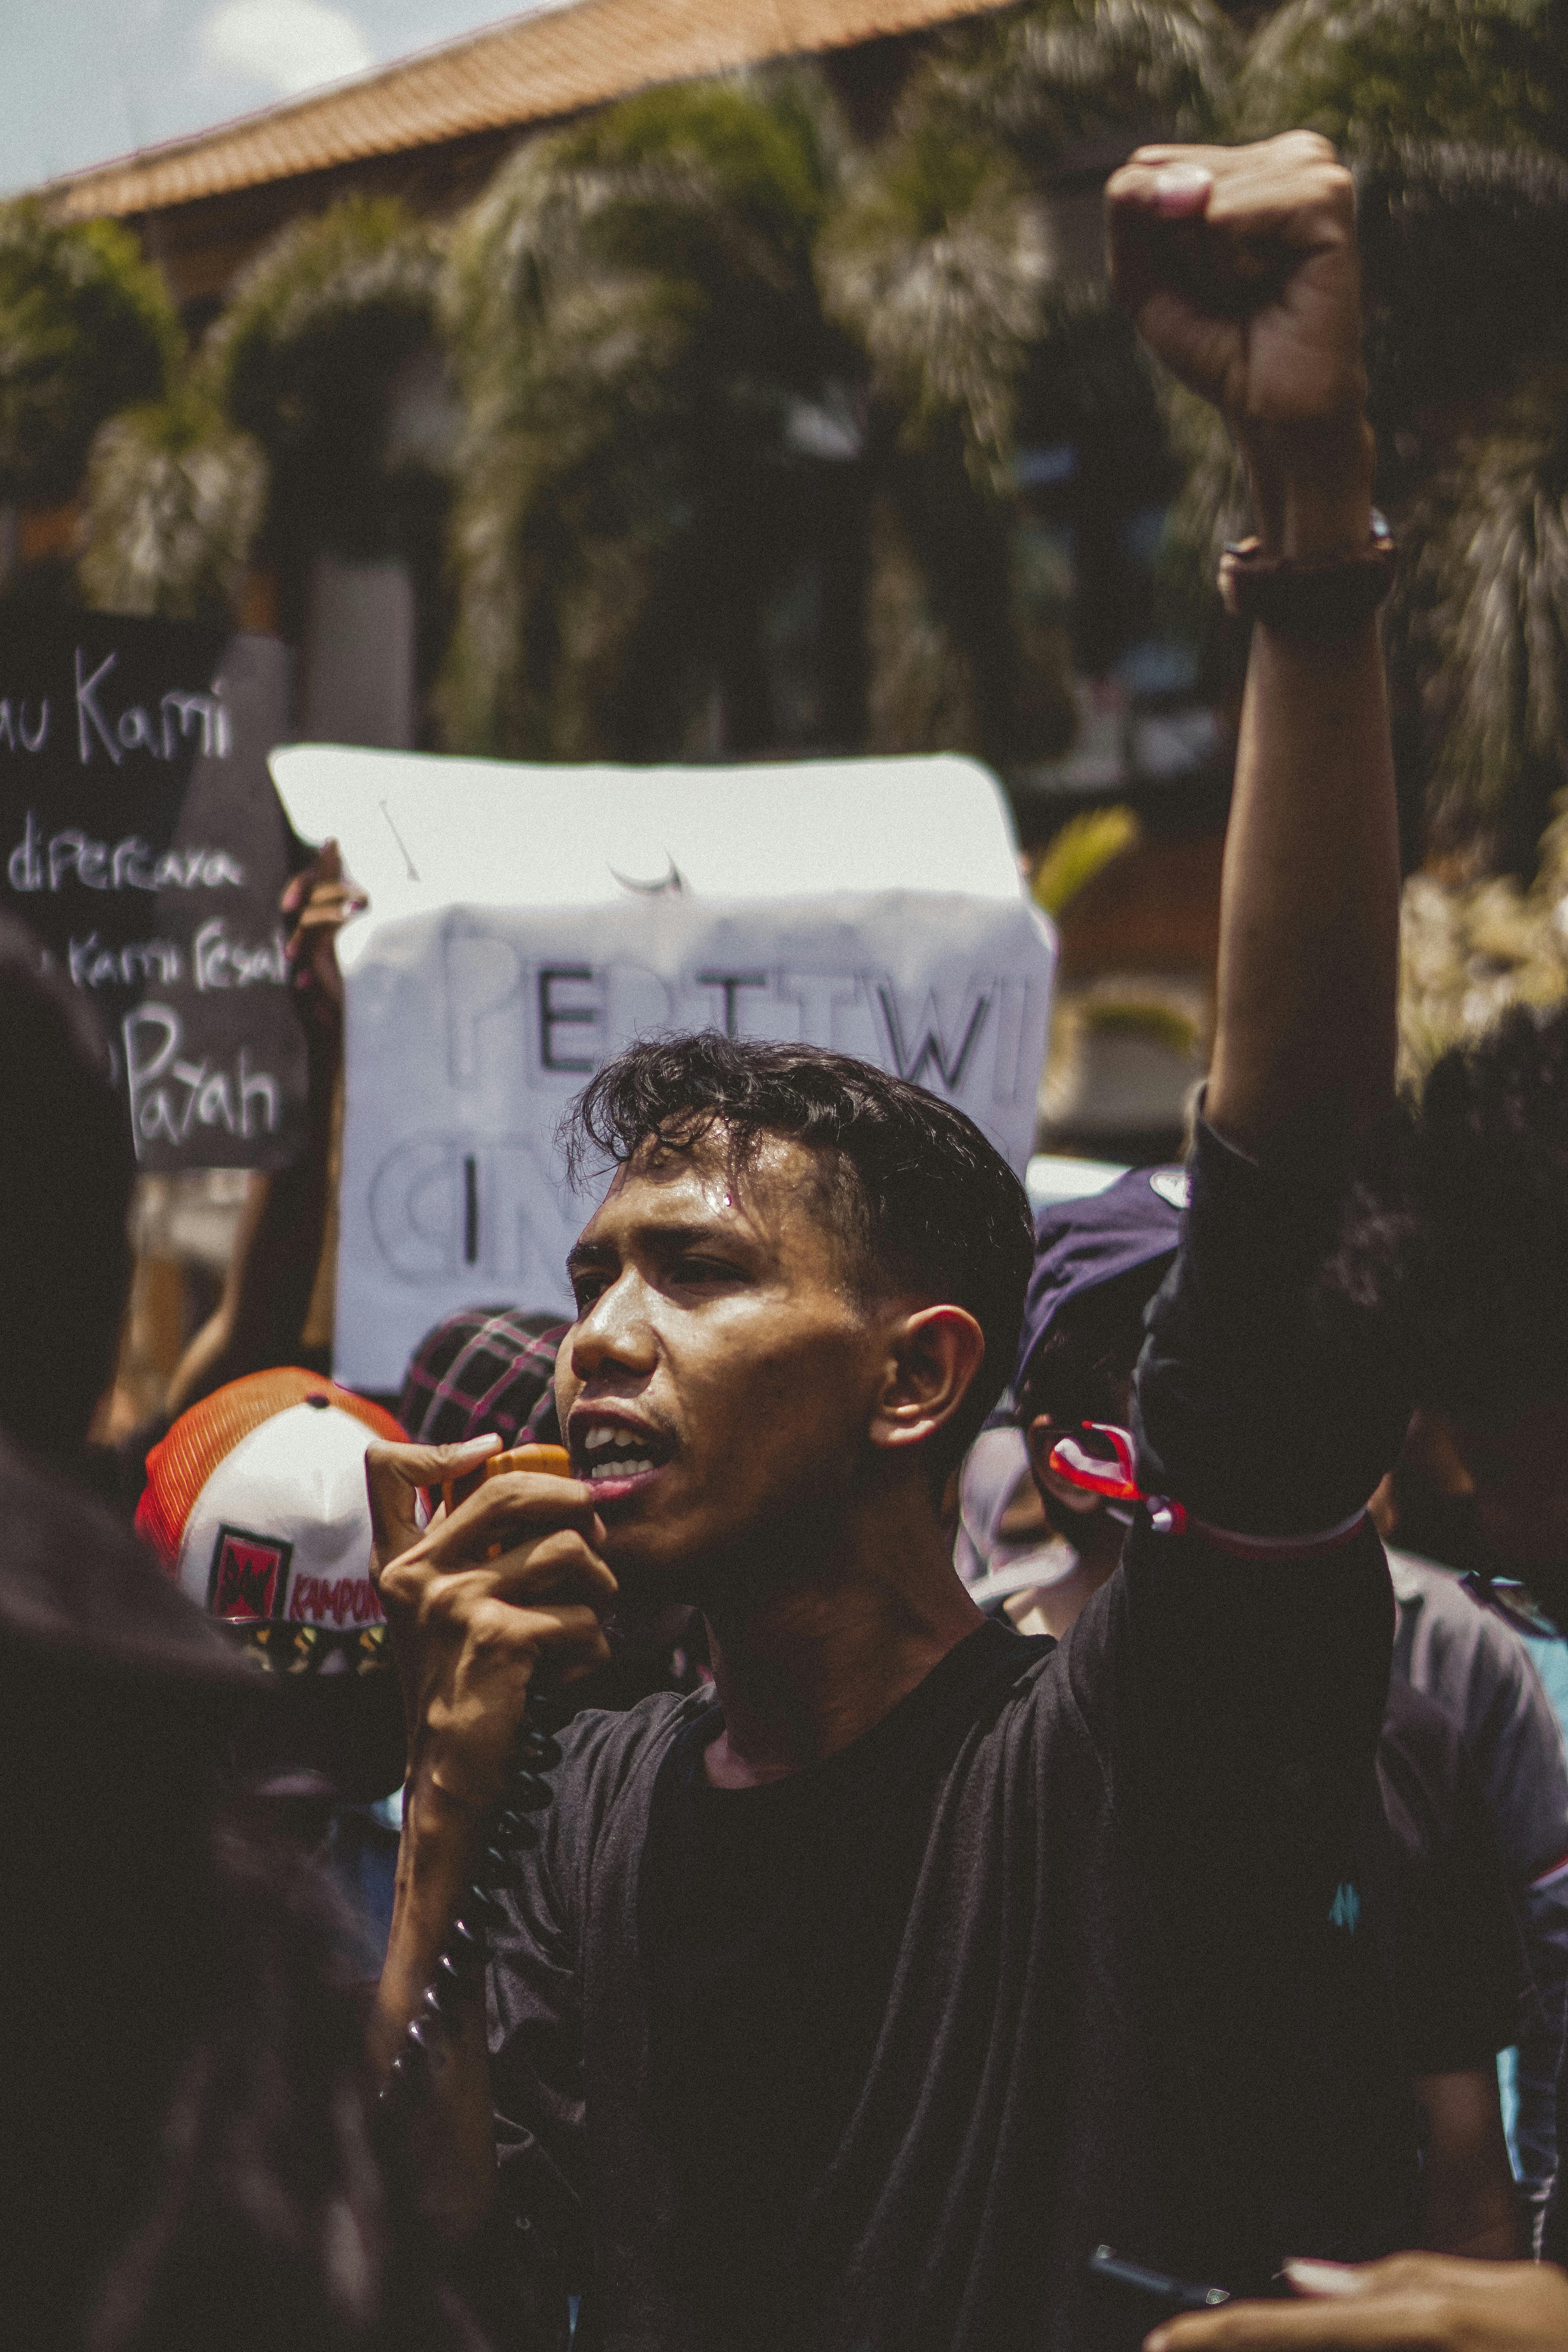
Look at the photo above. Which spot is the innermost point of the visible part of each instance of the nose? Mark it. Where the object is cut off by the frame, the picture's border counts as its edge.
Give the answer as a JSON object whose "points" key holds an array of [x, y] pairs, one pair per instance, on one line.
{"points": [[613, 1335]]}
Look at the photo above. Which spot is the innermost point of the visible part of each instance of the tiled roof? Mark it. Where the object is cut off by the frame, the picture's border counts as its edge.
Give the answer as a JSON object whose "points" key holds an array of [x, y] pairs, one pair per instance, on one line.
{"points": [[529, 70]]}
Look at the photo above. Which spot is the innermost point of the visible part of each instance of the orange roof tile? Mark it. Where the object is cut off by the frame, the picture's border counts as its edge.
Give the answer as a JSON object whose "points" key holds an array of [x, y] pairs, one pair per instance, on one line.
{"points": [[529, 70]]}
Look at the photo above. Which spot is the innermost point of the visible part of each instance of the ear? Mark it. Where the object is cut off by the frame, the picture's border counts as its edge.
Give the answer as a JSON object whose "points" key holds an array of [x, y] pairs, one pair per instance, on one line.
{"points": [[1039, 1435], [934, 1354]]}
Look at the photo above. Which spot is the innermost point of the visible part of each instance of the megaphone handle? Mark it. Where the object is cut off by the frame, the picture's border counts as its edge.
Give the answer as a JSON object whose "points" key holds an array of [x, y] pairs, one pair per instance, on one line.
{"points": [[462, 1956]]}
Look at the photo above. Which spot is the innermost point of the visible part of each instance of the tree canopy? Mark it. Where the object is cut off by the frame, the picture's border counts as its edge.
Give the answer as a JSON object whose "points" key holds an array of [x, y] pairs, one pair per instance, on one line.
{"points": [[87, 327], [730, 399]]}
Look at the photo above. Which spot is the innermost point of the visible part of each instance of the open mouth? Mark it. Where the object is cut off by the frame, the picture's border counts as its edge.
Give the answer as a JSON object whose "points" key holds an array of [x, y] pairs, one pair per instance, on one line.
{"points": [[616, 1458]]}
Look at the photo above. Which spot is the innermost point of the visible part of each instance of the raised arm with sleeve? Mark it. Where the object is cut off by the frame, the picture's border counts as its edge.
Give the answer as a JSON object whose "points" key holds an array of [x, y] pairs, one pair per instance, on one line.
{"points": [[1240, 267], [1256, 1651]]}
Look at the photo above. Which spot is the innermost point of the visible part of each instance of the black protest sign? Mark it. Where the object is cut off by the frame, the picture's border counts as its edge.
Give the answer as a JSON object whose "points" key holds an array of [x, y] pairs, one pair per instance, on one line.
{"points": [[142, 841]]}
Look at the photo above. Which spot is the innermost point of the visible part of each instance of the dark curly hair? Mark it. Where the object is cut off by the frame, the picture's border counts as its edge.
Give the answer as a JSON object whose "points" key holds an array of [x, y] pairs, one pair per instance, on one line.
{"points": [[915, 1196], [188, 2156], [1455, 1256]]}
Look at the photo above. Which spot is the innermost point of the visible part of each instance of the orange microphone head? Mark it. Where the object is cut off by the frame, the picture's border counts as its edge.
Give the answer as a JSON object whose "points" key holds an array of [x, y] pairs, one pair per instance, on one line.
{"points": [[537, 1461]]}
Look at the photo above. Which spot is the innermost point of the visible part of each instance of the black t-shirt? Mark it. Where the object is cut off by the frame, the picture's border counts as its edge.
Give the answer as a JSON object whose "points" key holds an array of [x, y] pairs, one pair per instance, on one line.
{"points": [[770, 1923], [1436, 1899], [1077, 1956]]}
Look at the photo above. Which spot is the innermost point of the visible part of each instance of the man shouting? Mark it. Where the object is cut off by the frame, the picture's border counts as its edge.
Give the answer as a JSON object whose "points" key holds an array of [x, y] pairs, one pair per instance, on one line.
{"points": [[856, 2003]]}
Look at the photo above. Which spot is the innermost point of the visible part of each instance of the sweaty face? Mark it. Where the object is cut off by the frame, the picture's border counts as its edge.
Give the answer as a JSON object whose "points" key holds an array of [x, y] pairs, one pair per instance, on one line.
{"points": [[717, 1386]]}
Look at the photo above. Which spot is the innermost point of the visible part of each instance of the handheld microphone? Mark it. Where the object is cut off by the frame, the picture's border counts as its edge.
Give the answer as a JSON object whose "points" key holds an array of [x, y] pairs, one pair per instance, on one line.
{"points": [[462, 1956]]}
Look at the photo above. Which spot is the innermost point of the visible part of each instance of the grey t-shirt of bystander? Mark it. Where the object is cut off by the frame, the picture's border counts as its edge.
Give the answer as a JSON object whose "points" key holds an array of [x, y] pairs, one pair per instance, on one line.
{"points": [[1474, 1666]]}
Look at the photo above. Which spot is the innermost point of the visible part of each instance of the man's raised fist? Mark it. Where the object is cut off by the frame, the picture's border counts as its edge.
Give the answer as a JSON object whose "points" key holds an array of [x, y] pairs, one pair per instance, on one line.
{"points": [[1240, 269]]}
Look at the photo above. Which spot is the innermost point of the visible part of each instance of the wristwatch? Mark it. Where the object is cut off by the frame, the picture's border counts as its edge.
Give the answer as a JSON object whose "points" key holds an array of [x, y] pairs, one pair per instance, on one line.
{"points": [[1333, 599]]}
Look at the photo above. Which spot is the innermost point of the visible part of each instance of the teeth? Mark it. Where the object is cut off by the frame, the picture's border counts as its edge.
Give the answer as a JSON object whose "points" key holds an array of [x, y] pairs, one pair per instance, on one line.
{"points": [[621, 1452]]}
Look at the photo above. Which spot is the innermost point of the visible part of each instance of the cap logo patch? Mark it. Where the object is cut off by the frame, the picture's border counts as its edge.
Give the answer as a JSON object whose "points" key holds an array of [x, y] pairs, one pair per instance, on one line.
{"points": [[1173, 1184], [248, 1574], [321, 1601]]}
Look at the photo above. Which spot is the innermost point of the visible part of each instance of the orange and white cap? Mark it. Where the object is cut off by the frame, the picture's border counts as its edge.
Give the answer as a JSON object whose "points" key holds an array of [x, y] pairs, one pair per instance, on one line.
{"points": [[255, 1504]]}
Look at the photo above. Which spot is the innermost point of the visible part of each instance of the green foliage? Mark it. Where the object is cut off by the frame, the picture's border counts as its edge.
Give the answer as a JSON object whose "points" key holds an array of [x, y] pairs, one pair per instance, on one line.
{"points": [[174, 498], [307, 358], [1469, 949], [1456, 114], [1084, 847], [1371, 73], [937, 262], [636, 325], [710, 349], [1482, 623], [86, 326], [1058, 74], [1466, 270]]}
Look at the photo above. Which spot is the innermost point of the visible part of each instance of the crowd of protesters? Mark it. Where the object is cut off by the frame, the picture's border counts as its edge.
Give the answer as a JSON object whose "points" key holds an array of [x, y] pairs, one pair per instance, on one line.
{"points": [[888, 1786]]}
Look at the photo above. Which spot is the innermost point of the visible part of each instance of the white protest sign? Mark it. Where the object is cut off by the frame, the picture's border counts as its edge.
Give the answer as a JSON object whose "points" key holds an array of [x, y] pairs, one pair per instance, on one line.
{"points": [[420, 831], [472, 1025]]}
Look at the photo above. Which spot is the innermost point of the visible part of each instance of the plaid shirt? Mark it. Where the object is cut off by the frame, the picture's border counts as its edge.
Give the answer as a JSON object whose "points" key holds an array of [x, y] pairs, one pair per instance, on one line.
{"points": [[484, 1369]]}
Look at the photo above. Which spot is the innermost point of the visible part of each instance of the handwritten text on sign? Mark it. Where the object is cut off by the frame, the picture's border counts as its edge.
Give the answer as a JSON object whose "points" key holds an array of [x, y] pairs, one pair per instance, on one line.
{"points": [[142, 843], [470, 1031]]}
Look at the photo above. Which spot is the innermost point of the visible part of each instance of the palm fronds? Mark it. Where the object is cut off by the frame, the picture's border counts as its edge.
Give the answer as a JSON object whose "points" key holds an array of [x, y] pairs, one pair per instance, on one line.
{"points": [[1464, 258], [1483, 624], [937, 261], [1471, 950], [1371, 73], [175, 500], [307, 357], [636, 323], [86, 327], [1059, 74]]}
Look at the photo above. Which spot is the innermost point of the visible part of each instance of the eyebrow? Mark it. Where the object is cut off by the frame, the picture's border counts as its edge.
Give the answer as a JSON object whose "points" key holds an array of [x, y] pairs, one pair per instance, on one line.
{"points": [[656, 1235]]}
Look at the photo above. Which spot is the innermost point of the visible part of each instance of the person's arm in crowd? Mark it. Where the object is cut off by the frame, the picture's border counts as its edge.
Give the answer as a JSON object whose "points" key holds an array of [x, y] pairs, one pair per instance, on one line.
{"points": [[469, 1646], [1541, 2040], [1304, 1040], [1240, 268], [1412, 2302], [1518, 1748], [266, 1296], [1472, 2205], [1254, 1648]]}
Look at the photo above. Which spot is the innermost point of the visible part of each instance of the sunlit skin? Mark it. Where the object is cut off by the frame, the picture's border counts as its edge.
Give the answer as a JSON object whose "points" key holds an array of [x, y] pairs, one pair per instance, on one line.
{"points": [[715, 1319], [785, 1416], [1411, 2302]]}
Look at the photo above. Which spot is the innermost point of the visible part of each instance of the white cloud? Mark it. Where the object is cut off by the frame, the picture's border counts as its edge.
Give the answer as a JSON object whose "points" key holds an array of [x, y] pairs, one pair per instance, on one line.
{"points": [[290, 45]]}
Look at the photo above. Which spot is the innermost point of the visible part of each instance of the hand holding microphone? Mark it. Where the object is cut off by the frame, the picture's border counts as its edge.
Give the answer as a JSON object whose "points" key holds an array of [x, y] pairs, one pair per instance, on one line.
{"points": [[482, 1597]]}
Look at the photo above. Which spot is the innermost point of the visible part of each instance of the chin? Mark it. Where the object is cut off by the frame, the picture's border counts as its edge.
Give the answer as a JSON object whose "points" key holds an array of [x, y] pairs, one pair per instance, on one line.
{"points": [[649, 1569]]}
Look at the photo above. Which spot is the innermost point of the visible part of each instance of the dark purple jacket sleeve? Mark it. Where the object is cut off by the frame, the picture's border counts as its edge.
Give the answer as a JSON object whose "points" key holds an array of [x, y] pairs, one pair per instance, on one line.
{"points": [[1255, 1404]]}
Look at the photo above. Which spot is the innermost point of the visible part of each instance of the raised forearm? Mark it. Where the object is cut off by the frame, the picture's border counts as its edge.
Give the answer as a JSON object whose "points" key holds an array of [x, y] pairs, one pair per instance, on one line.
{"points": [[447, 2117], [1304, 1040], [279, 1272], [1240, 267], [277, 1250], [1472, 2206]]}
